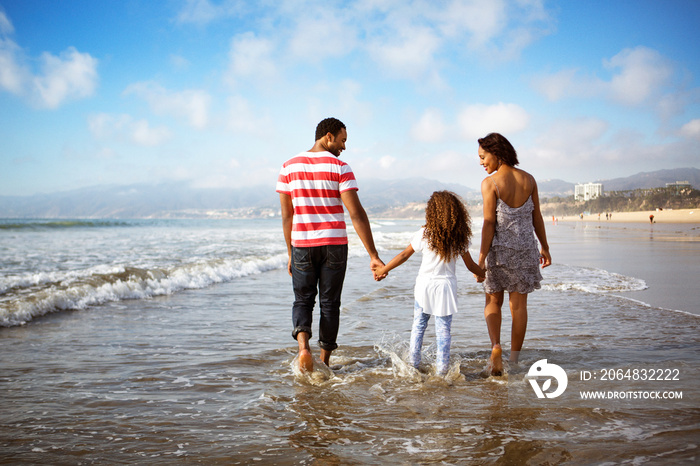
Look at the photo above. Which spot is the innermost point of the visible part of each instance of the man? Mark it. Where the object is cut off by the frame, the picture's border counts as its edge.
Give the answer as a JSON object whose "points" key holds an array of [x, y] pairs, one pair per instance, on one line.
{"points": [[313, 187]]}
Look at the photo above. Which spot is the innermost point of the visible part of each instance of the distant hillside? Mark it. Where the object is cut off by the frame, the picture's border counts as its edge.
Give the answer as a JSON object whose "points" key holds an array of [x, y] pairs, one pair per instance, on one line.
{"points": [[644, 180], [136, 201], [657, 179], [178, 199], [551, 188], [377, 195]]}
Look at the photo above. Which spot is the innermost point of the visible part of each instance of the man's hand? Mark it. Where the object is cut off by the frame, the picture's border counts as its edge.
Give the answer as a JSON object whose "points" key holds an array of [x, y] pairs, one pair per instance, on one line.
{"points": [[374, 265]]}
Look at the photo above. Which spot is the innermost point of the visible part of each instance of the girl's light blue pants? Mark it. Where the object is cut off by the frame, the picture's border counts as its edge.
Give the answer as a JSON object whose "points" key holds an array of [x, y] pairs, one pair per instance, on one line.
{"points": [[443, 325]]}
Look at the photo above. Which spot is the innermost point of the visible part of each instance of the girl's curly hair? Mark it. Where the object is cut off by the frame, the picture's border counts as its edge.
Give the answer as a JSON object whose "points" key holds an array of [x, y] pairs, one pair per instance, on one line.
{"points": [[448, 226]]}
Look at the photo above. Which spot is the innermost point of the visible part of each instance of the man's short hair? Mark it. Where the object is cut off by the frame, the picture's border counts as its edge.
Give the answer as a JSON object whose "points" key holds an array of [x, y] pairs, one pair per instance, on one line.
{"points": [[329, 125]]}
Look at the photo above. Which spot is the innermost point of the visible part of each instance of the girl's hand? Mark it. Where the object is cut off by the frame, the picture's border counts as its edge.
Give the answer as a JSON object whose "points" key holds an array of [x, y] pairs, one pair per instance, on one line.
{"points": [[379, 273]]}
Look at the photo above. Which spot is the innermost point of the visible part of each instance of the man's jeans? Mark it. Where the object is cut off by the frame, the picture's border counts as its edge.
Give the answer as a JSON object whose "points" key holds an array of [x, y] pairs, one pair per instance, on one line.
{"points": [[318, 270]]}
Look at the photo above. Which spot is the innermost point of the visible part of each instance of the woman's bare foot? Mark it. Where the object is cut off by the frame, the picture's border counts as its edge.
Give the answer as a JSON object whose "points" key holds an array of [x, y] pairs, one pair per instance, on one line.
{"points": [[495, 361], [514, 357], [306, 361]]}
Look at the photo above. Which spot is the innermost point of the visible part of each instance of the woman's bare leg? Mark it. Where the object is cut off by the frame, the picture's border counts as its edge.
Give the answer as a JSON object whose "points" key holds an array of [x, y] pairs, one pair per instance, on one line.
{"points": [[492, 313], [518, 310]]}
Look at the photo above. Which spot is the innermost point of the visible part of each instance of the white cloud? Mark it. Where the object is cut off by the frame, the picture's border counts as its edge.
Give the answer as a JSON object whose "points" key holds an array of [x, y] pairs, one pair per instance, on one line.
{"points": [[478, 120], [430, 127], [691, 129], [144, 135], [638, 76], [447, 162], [13, 76], [324, 35], [574, 142], [411, 53], [72, 75], [387, 161], [123, 128], [191, 104], [642, 73], [243, 119], [350, 104], [202, 12], [6, 27], [495, 29], [251, 57], [179, 62], [483, 19], [556, 86]]}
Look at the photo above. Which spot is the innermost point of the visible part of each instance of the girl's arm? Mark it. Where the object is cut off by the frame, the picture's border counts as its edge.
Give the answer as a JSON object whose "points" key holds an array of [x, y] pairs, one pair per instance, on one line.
{"points": [[538, 223], [473, 267], [381, 272], [488, 193]]}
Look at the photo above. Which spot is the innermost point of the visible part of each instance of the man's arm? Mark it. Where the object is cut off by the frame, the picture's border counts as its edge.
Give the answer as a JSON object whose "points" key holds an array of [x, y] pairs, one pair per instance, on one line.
{"points": [[361, 224], [287, 216]]}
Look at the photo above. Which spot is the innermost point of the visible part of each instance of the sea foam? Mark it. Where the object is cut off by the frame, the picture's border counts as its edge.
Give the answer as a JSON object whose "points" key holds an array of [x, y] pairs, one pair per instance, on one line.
{"points": [[80, 291]]}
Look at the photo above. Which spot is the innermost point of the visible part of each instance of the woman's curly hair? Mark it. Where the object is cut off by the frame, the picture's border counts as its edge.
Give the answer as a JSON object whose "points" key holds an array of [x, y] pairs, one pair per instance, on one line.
{"points": [[448, 226]]}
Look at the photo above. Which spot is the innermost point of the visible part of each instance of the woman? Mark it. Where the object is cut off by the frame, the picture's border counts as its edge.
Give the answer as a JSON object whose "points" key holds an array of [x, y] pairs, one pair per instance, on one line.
{"points": [[508, 246]]}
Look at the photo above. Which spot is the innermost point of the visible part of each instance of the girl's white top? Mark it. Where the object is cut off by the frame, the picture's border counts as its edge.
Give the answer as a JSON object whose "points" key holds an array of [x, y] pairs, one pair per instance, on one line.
{"points": [[436, 283]]}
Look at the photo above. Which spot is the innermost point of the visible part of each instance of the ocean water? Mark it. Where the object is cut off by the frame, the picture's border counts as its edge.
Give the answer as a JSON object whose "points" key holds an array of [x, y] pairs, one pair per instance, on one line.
{"points": [[167, 342]]}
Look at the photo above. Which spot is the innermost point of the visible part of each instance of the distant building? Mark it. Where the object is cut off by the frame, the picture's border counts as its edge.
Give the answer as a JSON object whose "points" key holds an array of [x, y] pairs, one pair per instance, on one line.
{"points": [[677, 186], [587, 191]]}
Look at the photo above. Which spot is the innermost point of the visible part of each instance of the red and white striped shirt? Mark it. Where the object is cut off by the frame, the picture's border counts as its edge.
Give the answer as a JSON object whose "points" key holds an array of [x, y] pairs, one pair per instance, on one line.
{"points": [[315, 180]]}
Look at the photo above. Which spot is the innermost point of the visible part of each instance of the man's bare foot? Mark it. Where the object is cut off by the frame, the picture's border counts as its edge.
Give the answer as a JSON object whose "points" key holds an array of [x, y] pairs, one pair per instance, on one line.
{"points": [[495, 361], [306, 361], [326, 357]]}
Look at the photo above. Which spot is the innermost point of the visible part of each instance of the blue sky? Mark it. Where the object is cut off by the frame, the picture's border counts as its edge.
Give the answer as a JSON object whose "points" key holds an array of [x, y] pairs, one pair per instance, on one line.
{"points": [[221, 93]]}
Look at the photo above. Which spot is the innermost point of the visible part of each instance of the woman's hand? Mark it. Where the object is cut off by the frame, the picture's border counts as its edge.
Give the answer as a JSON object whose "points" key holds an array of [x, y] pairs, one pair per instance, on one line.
{"points": [[545, 258]]}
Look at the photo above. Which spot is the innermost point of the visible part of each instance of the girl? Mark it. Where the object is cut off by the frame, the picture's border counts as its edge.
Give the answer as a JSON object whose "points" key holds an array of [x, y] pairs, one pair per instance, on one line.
{"points": [[443, 239]]}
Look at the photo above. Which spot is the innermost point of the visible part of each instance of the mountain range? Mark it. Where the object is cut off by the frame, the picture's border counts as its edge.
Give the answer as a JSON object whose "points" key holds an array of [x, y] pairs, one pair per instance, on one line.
{"points": [[179, 199]]}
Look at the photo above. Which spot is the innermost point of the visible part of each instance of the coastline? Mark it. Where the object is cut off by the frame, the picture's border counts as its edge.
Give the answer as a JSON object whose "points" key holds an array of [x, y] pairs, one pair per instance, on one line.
{"points": [[660, 216]]}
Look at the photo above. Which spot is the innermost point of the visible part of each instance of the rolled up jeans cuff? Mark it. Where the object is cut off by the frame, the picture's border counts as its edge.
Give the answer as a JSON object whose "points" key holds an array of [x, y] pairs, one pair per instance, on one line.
{"points": [[327, 346], [296, 331]]}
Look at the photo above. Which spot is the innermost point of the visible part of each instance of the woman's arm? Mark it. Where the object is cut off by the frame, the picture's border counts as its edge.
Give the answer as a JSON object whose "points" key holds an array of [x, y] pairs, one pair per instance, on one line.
{"points": [[538, 223], [473, 267], [488, 193]]}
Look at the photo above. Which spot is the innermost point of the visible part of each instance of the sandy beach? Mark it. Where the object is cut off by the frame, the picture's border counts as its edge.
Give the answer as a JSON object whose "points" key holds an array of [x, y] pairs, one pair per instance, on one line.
{"points": [[660, 216]]}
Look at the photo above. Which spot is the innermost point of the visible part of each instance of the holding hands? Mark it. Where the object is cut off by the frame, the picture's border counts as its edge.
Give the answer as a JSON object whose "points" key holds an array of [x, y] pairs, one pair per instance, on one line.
{"points": [[379, 272]]}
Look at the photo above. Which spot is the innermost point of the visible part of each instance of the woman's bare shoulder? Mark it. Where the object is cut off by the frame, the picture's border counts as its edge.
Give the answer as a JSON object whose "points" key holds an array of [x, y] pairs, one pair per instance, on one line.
{"points": [[526, 177], [487, 184]]}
